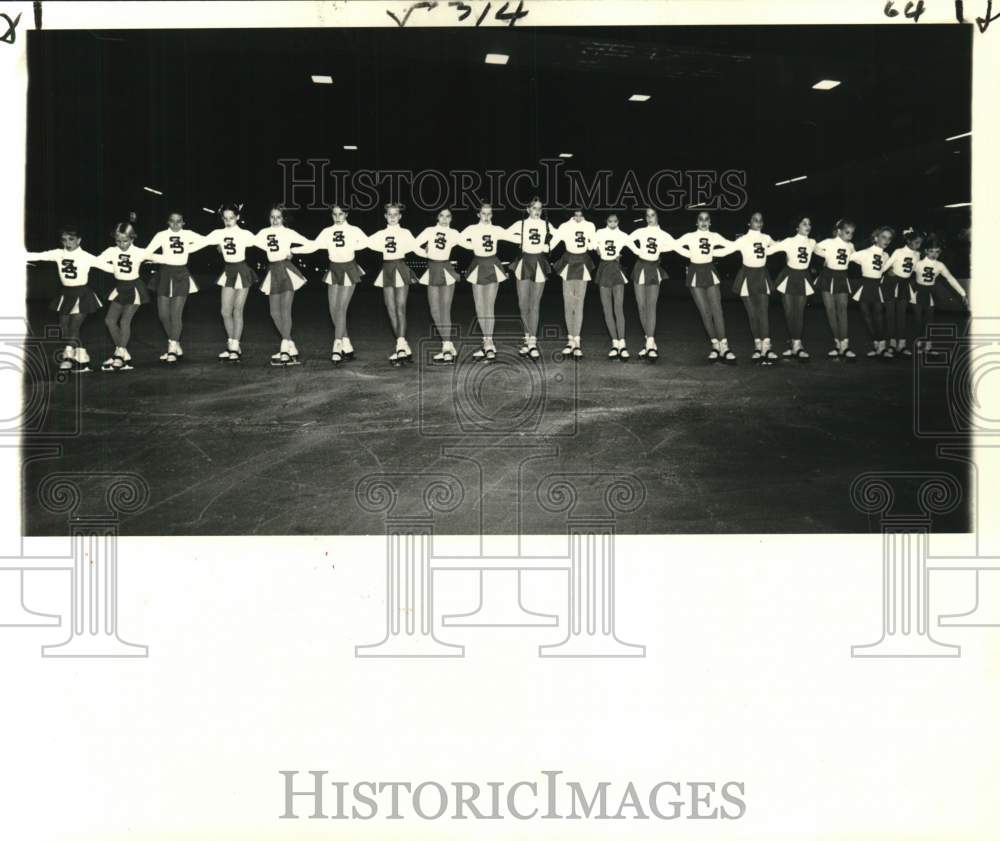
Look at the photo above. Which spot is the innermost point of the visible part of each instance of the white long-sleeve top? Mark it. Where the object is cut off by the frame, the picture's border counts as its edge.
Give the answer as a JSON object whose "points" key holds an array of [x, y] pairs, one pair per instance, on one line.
{"points": [[610, 243], [124, 265], [393, 241], [483, 239], [277, 242], [74, 266], [701, 247], [233, 242], [873, 261], [438, 240], [175, 246], [340, 241], [798, 248], [927, 271], [652, 241], [836, 252], [754, 246], [902, 261], [576, 236], [530, 234]]}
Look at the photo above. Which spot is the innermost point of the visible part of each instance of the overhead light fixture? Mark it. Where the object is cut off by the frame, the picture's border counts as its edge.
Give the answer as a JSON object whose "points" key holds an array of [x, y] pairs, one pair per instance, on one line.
{"points": [[208, 210], [151, 190], [322, 80], [350, 148], [790, 180], [826, 85], [565, 154], [960, 136], [497, 58], [960, 204], [639, 97]]}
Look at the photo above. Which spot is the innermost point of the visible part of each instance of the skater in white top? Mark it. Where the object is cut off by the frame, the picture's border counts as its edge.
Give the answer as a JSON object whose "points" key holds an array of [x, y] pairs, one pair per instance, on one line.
{"points": [[282, 281], [754, 286], [896, 289], [76, 299], [530, 270], [237, 277], [925, 275], [835, 288], [575, 268], [609, 242], [394, 242], [649, 244], [341, 241], [486, 275], [792, 283], [173, 282], [700, 247], [436, 243], [874, 261], [124, 260]]}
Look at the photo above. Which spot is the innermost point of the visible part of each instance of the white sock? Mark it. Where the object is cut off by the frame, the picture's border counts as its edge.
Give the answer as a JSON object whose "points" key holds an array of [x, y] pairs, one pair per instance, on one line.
{"points": [[650, 342], [715, 343], [796, 344], [532, 341], [901, 344], [232, 344], [400, 343], [348, 347], [723, 344], [69, 352], [338, 345], [758, 343]]}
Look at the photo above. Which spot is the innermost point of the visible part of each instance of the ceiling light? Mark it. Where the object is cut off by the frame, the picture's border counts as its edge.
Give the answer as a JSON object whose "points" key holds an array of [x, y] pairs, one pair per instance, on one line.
{"points": [[565, 154], [350, 148], [151, 190], [960, 136], [322, 80], [960, 204], [639, 97], [826, 85], [497, 58]]}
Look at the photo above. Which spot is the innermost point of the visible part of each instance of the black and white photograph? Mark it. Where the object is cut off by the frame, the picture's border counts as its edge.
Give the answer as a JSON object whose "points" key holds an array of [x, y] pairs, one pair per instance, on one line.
{"points": [[528, 420], [722, 260]]}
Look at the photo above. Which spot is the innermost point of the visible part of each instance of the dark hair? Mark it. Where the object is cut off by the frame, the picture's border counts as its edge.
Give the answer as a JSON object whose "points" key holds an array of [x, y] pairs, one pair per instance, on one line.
{"points": [[174, 212], [911, 233], [759, 213], [344, 208], [281, 209], [124, 228], [932, 242], [800, 219], [883, 228], [844, 223], [534, 199], [69, 230], [393, 204], [611, 216], [235, 207]]}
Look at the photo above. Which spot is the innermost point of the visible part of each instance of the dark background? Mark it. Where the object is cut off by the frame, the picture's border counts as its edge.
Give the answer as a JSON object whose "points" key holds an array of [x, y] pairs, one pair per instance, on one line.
{"points": [[205, 115]]}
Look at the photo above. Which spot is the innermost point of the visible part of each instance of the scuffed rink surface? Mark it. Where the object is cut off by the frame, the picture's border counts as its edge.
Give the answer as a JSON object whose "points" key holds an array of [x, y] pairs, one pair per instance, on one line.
{"points": [[249, 449]]}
